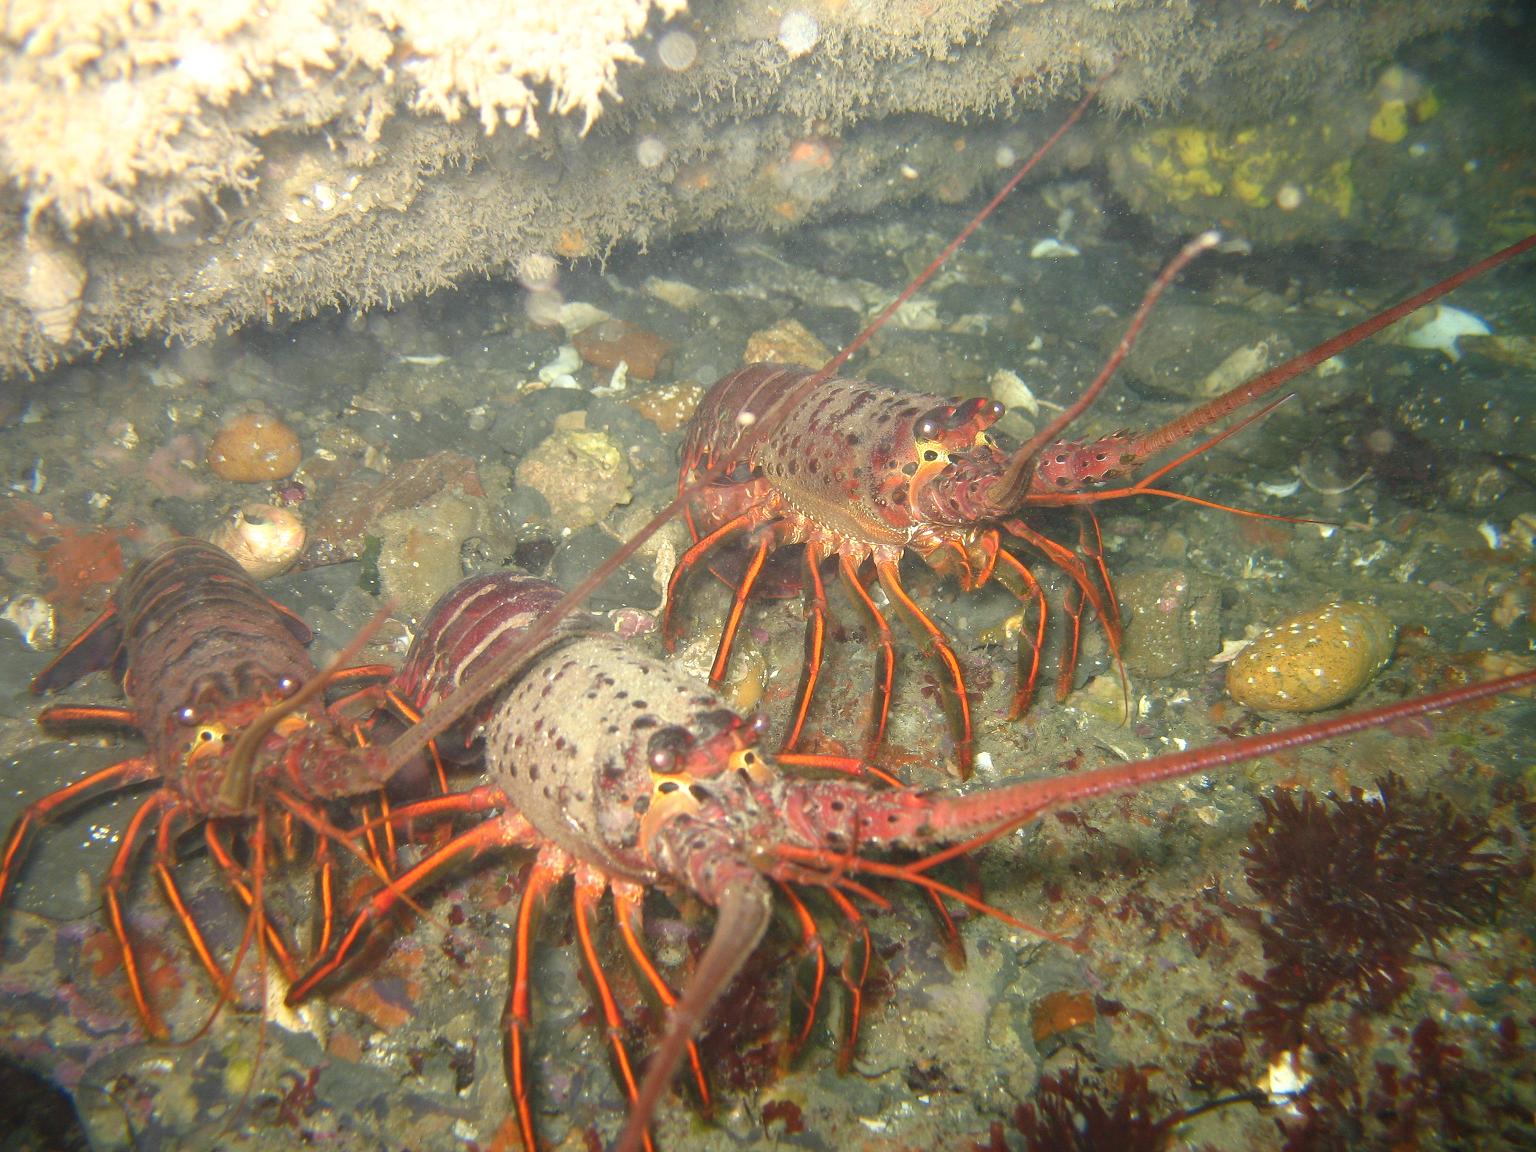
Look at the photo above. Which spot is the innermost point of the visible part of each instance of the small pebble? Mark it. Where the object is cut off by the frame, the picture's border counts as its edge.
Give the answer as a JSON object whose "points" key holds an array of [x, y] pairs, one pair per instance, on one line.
{"points": [[1315, 660], [251, 448], [787, 342]]}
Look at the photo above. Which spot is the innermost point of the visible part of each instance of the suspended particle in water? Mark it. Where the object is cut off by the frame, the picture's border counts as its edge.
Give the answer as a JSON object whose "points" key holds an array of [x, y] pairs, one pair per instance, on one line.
{"points": [[1005, 157], [798, 33], [650, 152], [677, 51]]}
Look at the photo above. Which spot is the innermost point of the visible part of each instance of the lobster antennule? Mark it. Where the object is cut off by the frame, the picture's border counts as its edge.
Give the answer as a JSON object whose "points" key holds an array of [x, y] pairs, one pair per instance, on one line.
{"points": [[744, 912], [238, 791], [1011, 485]]}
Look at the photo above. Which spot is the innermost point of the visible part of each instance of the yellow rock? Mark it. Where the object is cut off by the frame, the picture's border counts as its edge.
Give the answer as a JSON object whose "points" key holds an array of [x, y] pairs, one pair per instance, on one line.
{"points": [[1315, 660]]}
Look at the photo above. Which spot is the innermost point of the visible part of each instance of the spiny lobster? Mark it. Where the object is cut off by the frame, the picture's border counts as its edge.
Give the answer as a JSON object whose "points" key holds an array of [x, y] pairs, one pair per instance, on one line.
{"points": [[219, 683], [779, 455], [625, 775]]}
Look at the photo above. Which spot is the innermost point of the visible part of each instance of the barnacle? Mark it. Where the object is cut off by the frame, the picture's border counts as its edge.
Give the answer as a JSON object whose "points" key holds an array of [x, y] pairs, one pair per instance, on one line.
{"points": [[1353, 885]]}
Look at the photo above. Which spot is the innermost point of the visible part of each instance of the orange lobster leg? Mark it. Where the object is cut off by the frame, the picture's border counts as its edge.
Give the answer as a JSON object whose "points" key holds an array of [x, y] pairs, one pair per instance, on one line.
{"points": [[549, 868], [885, 659], [165, 859], [810, 939], [815, 643], [686, 563], [117, 876], [854, 975], [505, 831], [248, 889], [62, 719], [1070, 563], [123, 774], [628, 901], [412, 716], [738, 605], [957, 705], [590, 884], [1019, 580]]}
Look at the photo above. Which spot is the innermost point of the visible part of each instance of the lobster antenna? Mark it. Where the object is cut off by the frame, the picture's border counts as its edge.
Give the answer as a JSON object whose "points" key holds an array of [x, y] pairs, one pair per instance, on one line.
{"points": [[1267, 382]]}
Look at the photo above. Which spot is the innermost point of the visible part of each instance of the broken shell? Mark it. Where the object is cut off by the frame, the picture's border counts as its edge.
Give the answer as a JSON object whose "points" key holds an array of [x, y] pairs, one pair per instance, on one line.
{"points": [[264, 540], [33, 618], [1314, 660]]}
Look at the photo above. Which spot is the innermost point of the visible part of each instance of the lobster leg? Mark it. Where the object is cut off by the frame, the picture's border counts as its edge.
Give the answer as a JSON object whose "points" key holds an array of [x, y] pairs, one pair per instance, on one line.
{"points": [[505, 831], [810, 940], [956, 703], [62, 719], [412, 716], [1096, 551], [686, 563], [325, 890], [165, 854], [854, 975], [885, 659], [549, 868], [248, 889], [1072, 564], [123, 774], [738, 605], [117, 876], [815, 643], [628, 900], [99, 646], [1018, 579], [589, 886]]}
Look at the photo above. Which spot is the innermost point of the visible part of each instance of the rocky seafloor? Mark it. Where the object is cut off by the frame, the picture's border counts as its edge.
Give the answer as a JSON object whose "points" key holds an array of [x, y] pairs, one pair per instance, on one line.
{"points": [[494, 425]]}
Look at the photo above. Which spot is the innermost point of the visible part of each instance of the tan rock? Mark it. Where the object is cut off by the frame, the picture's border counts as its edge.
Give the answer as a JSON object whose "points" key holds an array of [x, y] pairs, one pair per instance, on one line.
{"points": [[1317, 659]]}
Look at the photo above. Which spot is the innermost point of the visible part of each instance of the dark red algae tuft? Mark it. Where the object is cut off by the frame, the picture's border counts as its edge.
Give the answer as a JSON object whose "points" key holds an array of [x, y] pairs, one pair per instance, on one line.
{"points": [[1353, 886]]}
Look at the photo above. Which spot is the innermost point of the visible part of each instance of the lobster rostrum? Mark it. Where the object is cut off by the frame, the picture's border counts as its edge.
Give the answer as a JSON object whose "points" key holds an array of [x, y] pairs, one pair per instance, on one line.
{"points": [[219, 683], [779, 455], [625, 775]]}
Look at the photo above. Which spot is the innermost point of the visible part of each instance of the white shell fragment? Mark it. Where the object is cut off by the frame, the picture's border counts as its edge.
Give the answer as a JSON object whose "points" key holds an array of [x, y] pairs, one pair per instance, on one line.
{"points": [[33, 618], [1440, 327], [558, 372], [1052, 249], [1009, 390], [265, 540], [1287, 488]]}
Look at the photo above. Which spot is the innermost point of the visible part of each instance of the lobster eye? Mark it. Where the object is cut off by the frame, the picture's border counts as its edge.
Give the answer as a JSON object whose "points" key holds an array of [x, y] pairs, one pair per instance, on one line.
{"points": [[666, 747], [287, 686], [932, 423], [186, 716]]}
